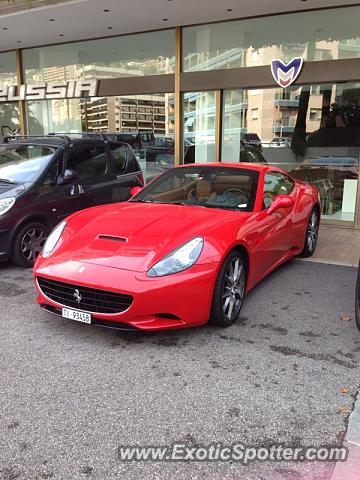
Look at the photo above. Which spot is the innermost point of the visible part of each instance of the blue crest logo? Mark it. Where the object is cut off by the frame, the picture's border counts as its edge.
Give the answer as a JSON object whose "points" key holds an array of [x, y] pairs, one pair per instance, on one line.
{"points": [[285, 74]]}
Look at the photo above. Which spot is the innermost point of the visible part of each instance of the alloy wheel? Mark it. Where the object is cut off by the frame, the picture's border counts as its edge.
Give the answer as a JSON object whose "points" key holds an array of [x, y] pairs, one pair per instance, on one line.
{"points": [[312, 231], [233, 289], [32, 243]]}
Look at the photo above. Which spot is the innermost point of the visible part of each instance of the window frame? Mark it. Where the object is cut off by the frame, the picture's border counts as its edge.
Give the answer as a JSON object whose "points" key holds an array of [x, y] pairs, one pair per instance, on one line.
{"points": [[283, 174], [113, 159], [89, 145]]}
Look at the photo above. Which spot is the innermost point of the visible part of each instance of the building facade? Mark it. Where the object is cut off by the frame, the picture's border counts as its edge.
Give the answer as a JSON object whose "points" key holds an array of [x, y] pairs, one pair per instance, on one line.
{"points": [[210, 88]]}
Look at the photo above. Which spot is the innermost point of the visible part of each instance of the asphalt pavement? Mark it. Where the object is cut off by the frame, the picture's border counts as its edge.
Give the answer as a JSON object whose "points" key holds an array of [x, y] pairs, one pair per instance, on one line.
{"points": [[70, 394]]}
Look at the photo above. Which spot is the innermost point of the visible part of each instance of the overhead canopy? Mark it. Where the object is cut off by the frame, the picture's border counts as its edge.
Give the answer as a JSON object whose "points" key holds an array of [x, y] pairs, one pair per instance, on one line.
{"points": [[337, 25]]}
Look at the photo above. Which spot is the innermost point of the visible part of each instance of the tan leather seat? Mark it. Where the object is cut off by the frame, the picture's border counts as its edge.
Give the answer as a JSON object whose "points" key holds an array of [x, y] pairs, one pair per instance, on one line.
{"points": [[203, 190]]}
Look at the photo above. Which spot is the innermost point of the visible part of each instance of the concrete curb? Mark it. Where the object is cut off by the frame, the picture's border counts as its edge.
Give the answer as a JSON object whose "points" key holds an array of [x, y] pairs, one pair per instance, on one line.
{"points": [[328, 262]]}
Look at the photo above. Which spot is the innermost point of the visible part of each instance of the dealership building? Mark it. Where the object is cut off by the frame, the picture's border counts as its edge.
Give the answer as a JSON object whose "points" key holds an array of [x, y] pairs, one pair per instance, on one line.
{"points": [[280, 77]]}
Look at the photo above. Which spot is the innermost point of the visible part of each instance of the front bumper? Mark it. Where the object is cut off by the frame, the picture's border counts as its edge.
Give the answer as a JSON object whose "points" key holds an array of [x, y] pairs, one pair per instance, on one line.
{"points": [[5, 242], [175, 301]]}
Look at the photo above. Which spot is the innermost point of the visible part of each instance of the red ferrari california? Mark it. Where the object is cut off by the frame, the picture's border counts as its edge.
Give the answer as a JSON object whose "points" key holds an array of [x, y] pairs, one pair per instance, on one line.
{"points": [[181, 252]]}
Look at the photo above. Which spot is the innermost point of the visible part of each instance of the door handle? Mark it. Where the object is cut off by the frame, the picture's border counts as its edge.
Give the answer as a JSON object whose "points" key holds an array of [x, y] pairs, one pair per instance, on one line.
{"points": [[76, 190]]}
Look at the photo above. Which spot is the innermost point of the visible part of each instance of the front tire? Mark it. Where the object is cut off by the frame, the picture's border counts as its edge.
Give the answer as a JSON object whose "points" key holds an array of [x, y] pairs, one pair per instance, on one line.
{"points": [[28, 243], [229, 291], [312, 234]]}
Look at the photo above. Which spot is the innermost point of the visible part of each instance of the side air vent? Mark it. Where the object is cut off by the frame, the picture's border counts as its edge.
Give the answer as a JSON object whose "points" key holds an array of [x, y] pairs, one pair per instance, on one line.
{"points": [[112, 238]]}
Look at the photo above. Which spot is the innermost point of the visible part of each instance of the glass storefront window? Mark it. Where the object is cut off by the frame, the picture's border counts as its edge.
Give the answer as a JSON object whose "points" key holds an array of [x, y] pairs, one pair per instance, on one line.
{"points": [[199, 127], [9, 112], [126, 56], [49, 116], [9, 118], [8, 68], [146, 122], [315, 35], [313, 132]]}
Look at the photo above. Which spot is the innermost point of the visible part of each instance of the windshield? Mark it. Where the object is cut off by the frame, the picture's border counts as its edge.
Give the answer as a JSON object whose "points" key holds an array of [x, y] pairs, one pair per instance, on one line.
{"points": [[226, 188], [23, 163]]}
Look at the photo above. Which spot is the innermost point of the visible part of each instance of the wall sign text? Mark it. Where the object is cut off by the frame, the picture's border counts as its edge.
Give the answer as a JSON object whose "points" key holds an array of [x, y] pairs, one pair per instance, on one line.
{"points": [[51, 90]]}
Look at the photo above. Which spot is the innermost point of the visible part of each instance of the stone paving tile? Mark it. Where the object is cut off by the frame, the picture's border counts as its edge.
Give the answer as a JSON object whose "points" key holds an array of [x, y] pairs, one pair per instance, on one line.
{"points": [[339, 246]]}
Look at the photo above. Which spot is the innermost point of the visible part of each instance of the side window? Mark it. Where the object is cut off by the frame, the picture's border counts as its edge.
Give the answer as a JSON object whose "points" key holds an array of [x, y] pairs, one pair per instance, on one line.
{"points": [[88, 161], [120, 155], [243, 154], [34, 151], [52, 173], [276, 184], [146, 137], [254, 156]]}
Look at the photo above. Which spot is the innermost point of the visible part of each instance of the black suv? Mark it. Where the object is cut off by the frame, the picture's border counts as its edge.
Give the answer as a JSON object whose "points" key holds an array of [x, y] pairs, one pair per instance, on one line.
{"points": [[45, 179], [145, 144]]}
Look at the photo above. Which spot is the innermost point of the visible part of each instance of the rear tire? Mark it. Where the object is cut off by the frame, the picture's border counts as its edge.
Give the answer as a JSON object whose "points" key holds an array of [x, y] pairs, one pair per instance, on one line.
{"points": [[229, 290], [312, 234], [28, 243]]}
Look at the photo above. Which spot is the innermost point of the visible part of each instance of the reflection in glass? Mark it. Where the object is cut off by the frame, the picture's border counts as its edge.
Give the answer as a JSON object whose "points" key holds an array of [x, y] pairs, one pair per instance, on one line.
{"points": [[199, 127], [313, 132], [49, 116], [9, 112], [146, 122], [9, 118], [316, 35], [126, 56], [8, 68], [23, 163]]}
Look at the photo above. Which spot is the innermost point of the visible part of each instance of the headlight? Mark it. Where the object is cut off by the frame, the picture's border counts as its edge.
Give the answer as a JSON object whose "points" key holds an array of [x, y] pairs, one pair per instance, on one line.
{"points": [[180, 259], [53, 239], [6, 204]]}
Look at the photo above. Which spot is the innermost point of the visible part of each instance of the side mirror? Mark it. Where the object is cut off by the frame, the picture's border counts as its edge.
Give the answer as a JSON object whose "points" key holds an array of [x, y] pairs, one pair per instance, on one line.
{"points": [[281, 201], [135, 190], [69, 176]]}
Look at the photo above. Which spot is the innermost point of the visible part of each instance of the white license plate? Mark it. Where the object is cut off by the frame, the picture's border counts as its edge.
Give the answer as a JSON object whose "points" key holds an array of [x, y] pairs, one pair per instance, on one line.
{"points": [[76, 315]]}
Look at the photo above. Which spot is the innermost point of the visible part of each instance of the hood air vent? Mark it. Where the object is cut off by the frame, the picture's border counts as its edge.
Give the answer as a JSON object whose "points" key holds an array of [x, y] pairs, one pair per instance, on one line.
{"points": [[112, 238]]}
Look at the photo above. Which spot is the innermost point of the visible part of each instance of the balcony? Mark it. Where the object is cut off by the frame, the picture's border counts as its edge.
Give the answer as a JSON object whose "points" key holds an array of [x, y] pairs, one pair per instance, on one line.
{"points": [[280, 129], [289, 103]]}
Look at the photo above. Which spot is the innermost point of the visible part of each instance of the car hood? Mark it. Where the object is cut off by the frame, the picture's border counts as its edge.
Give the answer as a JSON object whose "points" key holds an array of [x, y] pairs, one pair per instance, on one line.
{"points": [[10, 190], [134, 236]]}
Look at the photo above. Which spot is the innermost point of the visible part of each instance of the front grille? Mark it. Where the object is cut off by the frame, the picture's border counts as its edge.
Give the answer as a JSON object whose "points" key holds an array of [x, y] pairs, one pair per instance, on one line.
{"points": [[92, 299]]}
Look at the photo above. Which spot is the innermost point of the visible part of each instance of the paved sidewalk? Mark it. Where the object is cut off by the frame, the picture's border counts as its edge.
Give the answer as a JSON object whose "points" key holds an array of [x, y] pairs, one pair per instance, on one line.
{"points": [[337, 246]]}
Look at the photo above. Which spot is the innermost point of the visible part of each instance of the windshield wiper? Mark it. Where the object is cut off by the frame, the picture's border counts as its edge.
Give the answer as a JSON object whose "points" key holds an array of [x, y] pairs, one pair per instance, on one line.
{"points": [[4, 180], [142, 201]]}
